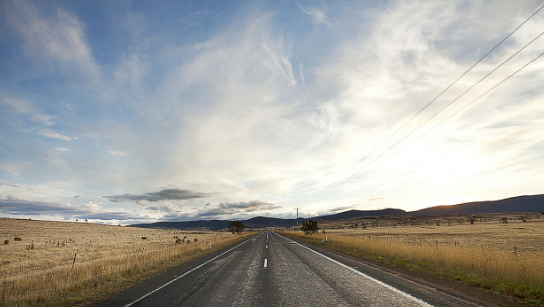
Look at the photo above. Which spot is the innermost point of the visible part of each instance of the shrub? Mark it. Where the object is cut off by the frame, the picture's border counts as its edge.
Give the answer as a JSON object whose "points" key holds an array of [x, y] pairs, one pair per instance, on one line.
{"points": [[6, 242], [178, 241], [17, 239], [236, 226], [310, 227], [144, 238]]}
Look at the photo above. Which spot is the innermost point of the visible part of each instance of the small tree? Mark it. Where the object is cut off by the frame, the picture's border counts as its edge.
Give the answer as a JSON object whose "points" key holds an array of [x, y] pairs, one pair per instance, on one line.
{"points": [[310, 226], [236, 226]]}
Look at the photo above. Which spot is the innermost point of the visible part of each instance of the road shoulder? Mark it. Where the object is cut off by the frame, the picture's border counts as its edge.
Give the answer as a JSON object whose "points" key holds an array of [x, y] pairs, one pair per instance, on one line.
{"points": [[136, 291], [454, 288]]}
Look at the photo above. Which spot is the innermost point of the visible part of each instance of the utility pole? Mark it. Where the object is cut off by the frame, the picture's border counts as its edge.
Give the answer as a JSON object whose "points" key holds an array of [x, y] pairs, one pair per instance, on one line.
{"points": [[297, 219]]}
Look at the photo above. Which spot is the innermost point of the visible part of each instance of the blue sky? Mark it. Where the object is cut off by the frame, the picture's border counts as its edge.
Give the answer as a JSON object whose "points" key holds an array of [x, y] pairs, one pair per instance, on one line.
{"points": [[127, 111]]}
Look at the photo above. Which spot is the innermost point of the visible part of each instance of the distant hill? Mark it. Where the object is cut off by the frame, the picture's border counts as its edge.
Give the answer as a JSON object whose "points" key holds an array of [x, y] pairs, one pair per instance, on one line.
{"points": [[212, 225], [256, 222], [261, 221], [527, 203], [360, 213]]}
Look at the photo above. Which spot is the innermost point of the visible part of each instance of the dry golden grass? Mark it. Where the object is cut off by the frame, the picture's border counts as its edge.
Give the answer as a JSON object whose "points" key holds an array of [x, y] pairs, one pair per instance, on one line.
{"points": [[508, 258], [528, 236], [40, 269]]}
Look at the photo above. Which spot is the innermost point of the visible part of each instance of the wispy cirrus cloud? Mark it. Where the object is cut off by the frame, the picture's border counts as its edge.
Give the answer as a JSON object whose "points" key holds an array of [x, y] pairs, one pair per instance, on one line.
{"points": [[210, 101], [118, 153], [14, 167], [317, 13], [25, 107], [59, 36], [53, 134], [29, 119]]}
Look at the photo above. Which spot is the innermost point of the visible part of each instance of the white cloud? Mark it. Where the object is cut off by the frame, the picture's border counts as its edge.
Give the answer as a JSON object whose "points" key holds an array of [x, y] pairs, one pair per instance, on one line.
{"points": [[131, 70], [58, 36], [58, 158], [14, 206], [53, 134], [118, 153], [14, 167], [317, 14], [221, 111], [383, 78], [22, 106]]}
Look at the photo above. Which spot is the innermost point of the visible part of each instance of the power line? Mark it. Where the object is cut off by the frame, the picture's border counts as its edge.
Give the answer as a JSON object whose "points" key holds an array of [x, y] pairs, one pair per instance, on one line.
{"points": [[458, 111], [406, 136], [428, 104]]}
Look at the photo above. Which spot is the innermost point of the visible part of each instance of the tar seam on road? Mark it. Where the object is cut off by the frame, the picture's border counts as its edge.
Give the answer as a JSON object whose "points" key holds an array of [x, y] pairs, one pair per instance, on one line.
{"points": [[166, 284], [366, 276]]}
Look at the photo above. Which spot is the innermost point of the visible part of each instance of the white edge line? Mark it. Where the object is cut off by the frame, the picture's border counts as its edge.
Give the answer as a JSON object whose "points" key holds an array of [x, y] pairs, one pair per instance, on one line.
{"points": [[166, 284], [366, 276]]}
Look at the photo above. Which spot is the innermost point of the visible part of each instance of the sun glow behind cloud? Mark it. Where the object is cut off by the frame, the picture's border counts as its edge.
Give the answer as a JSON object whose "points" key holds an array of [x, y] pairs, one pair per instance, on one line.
{"points": [[264, 106]]}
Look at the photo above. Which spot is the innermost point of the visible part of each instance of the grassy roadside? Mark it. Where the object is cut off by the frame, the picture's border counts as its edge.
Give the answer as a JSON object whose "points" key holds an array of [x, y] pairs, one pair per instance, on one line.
{"points": [[90, 281], [517, 274]]}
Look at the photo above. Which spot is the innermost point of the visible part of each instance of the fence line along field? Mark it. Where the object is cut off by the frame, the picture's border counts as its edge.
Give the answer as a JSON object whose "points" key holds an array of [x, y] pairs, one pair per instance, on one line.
{"points": [[501, 252], [61, 263]]}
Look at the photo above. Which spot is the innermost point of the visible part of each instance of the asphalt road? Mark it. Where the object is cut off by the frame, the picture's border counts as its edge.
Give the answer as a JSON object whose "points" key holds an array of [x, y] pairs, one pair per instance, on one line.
{"points": [[272, 270]]}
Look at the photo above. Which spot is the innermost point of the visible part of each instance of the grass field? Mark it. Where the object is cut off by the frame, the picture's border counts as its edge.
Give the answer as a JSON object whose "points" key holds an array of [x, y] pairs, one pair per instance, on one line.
{"points": [[505, 258], [68, 263]]}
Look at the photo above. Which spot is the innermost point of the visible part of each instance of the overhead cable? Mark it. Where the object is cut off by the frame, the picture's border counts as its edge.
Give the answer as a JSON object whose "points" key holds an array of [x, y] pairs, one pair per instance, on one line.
{"points": [[428, 104]]}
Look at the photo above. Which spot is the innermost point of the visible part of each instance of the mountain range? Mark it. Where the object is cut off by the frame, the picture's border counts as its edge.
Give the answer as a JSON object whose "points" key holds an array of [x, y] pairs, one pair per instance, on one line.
{"points": [[525, 203]]}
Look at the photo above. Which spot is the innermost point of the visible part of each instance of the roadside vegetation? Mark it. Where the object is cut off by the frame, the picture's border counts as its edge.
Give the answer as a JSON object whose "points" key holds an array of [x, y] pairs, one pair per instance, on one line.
{"points": [[62, 263], [501, 257], [309, 227], [236, 226]]}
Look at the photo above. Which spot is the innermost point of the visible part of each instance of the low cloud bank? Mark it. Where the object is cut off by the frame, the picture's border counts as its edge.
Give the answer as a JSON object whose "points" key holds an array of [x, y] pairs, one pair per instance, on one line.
{"points": [[228, 209], [165, 194], [14, 206]]}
